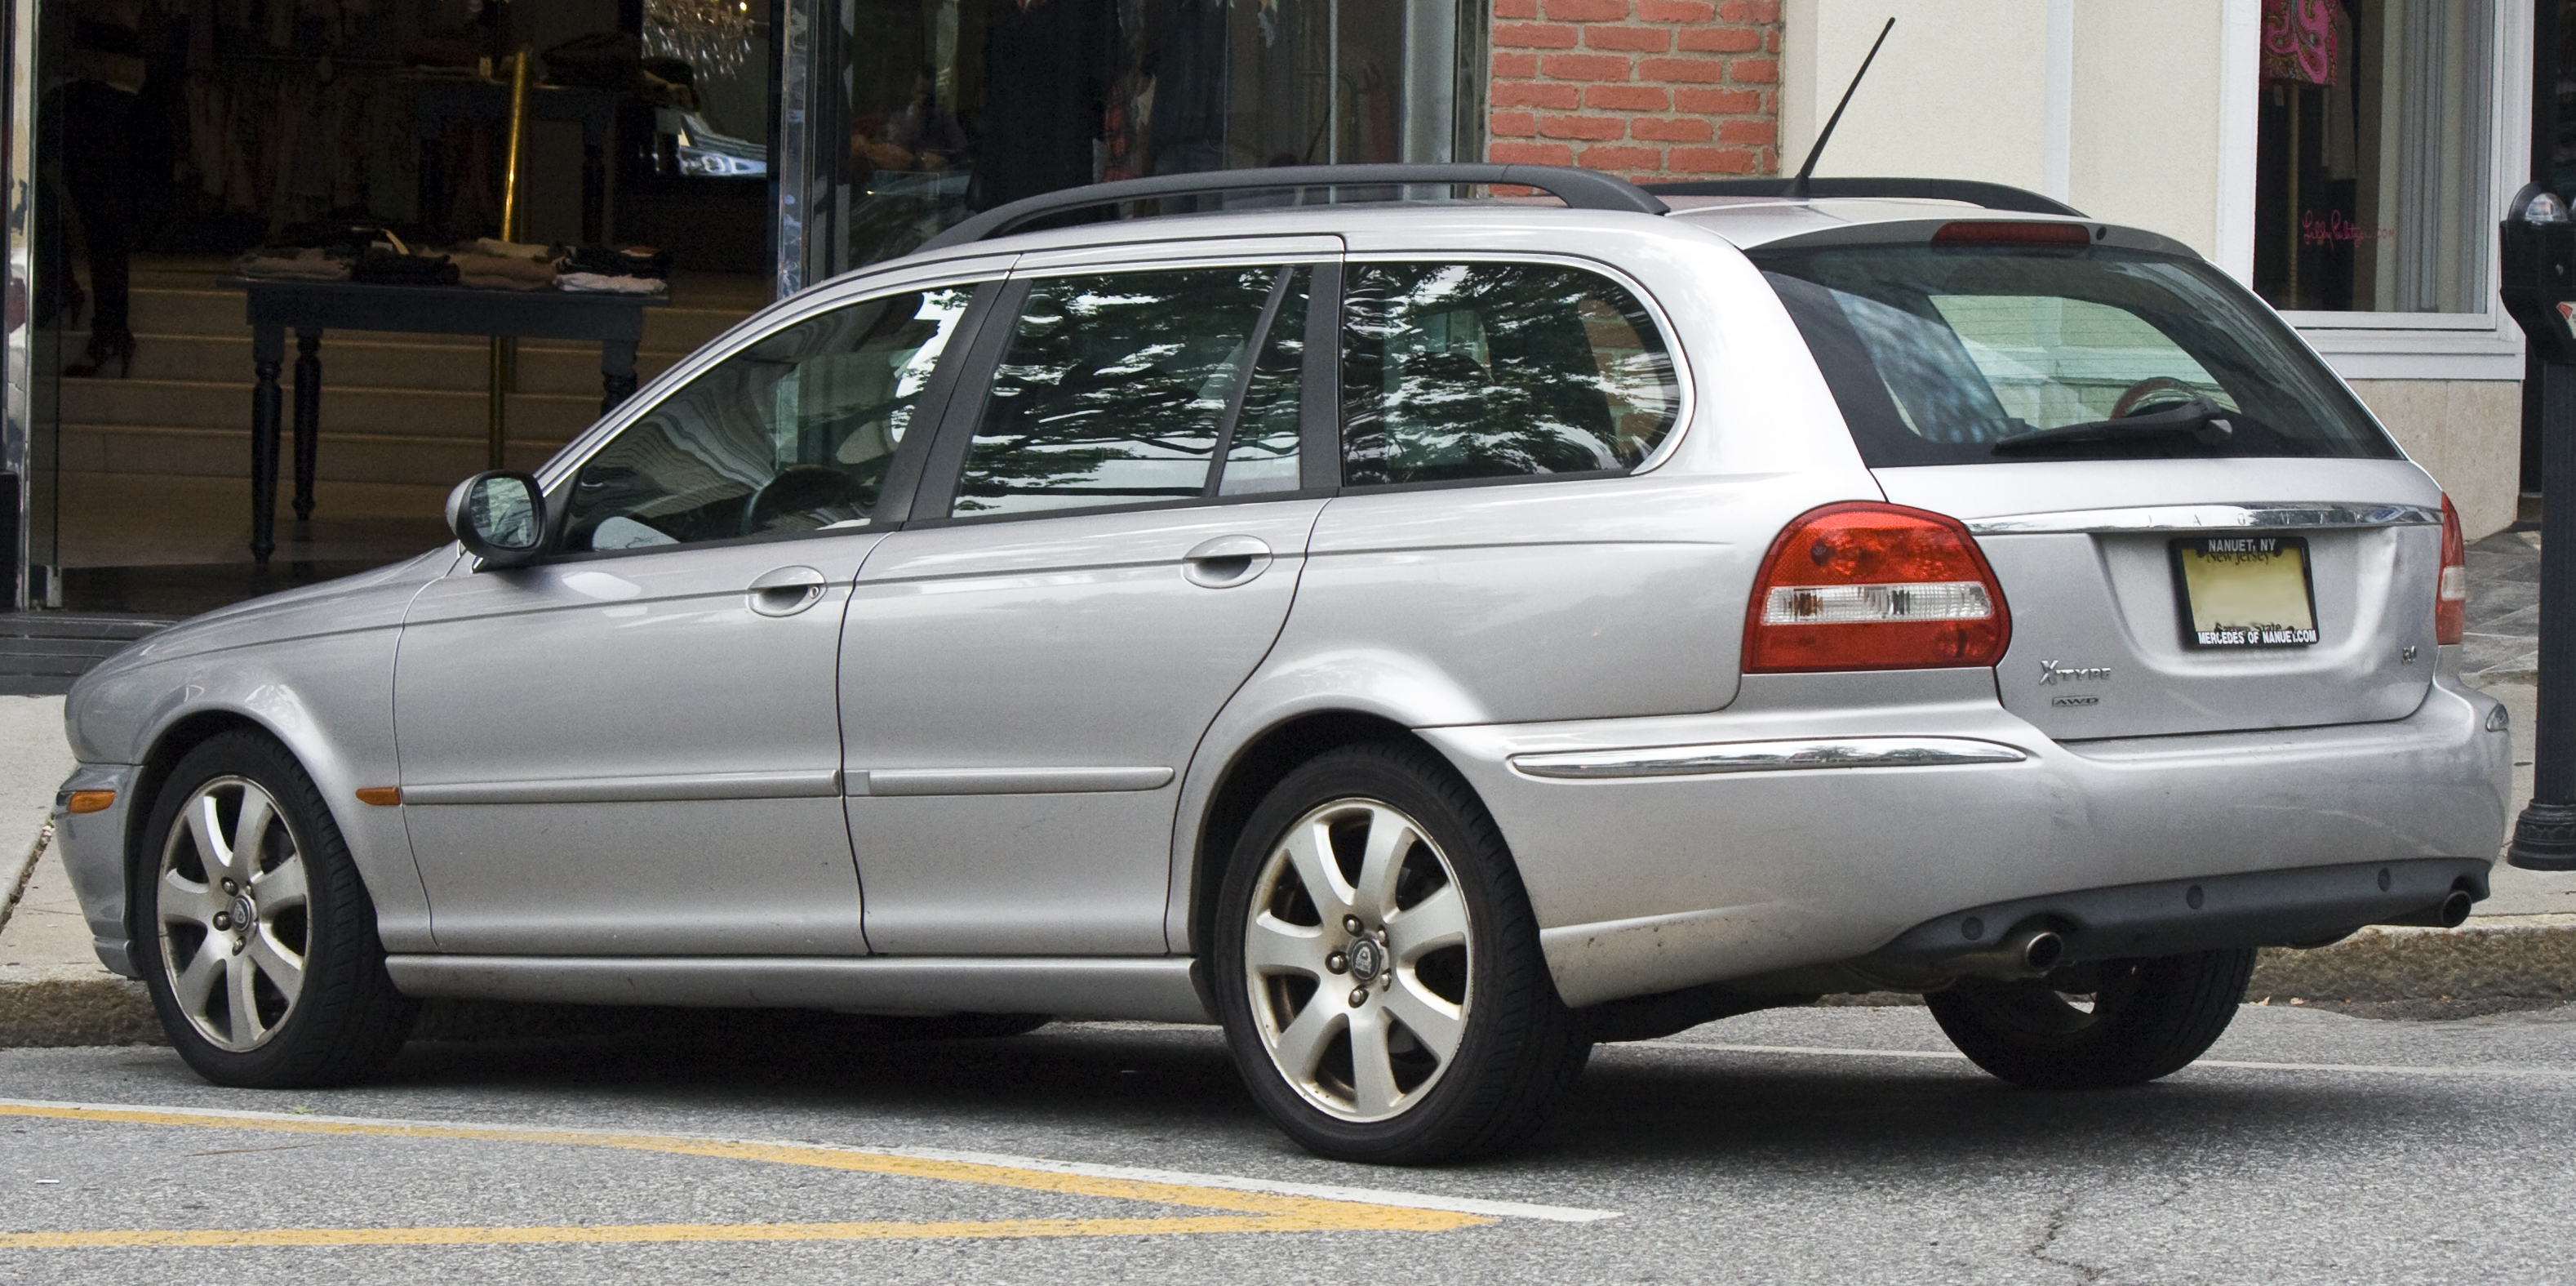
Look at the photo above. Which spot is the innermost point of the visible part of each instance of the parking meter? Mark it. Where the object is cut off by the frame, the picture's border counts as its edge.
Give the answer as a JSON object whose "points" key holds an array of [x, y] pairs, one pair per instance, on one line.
{"points": [[2539, 284], [2539, 289]]}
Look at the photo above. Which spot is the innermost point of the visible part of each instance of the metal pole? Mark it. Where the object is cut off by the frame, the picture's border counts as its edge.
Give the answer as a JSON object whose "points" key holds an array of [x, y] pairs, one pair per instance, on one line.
{"points": [[17, 358], [2544, 839], [503, 373]]}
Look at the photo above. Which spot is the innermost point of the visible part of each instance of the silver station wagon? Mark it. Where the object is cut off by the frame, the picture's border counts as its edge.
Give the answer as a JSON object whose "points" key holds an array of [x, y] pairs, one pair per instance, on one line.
{"points": [[1425, 636]]}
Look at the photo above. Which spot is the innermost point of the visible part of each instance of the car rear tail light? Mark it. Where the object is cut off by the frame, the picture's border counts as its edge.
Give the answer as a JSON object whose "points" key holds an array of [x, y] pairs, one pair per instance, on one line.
{"points": [[2451, 596], [1983, 232], [1874, 587]]}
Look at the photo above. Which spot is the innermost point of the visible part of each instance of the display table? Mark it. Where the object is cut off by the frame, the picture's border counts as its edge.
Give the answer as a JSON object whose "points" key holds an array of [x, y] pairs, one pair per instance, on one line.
{"points": [[311, 307]]}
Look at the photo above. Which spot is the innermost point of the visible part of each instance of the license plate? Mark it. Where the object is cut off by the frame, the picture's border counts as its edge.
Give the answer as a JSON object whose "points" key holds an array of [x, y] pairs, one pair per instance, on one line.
{"points": [[2245, 591]]}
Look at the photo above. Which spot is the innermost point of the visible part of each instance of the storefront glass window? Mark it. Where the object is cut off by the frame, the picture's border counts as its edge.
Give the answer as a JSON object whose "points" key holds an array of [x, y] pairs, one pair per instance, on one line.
{"points": [[2375, 160], [947, 107]]}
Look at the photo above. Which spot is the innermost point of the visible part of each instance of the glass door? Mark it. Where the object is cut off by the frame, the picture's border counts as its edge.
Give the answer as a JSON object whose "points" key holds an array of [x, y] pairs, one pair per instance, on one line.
{"points": [[925, 111]]}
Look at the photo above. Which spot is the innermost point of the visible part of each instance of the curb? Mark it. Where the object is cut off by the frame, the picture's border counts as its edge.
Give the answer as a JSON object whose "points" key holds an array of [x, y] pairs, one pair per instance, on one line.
{"points": [[2521, 957], [74, 1006]]}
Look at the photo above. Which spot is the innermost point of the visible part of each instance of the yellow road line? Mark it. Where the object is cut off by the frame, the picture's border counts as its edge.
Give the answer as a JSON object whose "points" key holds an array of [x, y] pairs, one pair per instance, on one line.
{"points": [[663, 1232], [1253, 1211]]}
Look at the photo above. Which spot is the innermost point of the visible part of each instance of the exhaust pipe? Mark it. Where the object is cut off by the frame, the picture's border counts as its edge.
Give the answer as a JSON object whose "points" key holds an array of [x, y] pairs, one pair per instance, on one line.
{"points": [[2449, 913], [2030, 953]]}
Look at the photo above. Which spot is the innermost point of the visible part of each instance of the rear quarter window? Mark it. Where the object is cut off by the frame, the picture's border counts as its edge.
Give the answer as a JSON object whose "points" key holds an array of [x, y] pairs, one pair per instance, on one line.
{"points": [[1965, 355], [1460, 371]]}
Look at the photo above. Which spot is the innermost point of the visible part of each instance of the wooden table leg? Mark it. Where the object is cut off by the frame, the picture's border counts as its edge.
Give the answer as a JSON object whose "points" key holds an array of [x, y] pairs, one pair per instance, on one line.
{"points": [[308, 415], [616, 374], [267, 356]]}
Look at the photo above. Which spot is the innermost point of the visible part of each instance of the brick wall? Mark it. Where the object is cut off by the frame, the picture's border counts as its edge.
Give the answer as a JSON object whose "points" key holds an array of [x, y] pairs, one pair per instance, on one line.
{"points": [[1666, 89]]}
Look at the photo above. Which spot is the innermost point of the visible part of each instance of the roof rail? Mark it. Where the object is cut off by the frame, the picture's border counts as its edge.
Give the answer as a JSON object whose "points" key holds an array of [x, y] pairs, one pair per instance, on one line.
{"points": [[1993, 196], [1579, 189]]}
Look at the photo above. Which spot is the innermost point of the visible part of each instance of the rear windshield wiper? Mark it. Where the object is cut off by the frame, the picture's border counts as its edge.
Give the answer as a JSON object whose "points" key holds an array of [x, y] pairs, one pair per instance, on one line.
{"points": [[2200, 417]]}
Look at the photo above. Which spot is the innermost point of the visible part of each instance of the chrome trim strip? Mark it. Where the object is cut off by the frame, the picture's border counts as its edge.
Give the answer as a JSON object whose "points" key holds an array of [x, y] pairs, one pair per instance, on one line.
{"points": [[1765, 756], [1146, 988], [822, 783], [1005, 781], [2258, 516]]}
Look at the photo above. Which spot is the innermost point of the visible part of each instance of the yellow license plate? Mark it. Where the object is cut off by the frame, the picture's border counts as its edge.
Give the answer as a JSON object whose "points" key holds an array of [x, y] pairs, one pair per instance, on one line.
{"points": [[2245, 591]]}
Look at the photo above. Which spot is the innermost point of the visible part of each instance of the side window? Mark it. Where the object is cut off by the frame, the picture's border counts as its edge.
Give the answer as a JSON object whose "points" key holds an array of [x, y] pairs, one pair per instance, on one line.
{"points": [[1496, 370], [793, 433], [1124, 387], [1262, 454]]}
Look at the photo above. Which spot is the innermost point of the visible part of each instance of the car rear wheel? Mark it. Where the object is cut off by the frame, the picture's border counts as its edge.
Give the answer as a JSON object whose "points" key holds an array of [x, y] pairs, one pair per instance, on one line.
{"points": [[1380, 977], [253, 931], [2097, 1026]]}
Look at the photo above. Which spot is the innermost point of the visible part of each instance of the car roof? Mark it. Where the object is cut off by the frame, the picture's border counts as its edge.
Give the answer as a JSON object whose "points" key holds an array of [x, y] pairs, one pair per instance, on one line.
{"points": [[1744, 221]]}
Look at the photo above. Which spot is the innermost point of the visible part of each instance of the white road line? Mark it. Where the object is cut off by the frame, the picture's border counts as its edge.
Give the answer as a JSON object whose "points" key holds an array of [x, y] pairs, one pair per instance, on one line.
{"points": [[2378, 1069], [1239, 1183], [1327, 1192]]}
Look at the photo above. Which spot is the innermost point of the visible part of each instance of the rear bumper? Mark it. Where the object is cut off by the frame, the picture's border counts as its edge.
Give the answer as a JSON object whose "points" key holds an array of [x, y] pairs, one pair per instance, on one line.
{"points": [[2169, 917], [1645, 884]]}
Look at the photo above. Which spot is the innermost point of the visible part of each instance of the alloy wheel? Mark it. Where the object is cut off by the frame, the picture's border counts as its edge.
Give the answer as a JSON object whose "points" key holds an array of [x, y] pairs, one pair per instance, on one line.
{"points": [[234, 915], [1356, 958]]}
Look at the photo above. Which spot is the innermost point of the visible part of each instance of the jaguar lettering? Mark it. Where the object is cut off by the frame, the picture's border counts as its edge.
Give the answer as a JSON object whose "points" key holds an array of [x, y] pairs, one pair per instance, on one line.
{"points": [[2052, 673]]}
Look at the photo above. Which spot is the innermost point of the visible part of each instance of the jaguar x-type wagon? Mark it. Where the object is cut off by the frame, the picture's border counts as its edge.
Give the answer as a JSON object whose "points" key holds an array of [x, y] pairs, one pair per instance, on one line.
{"points": [[1426, 637]]}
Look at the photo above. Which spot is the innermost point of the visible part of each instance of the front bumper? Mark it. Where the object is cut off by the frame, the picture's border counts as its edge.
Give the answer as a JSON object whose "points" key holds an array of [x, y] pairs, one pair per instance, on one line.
{"points": [[1647, 884], [92, 846]]}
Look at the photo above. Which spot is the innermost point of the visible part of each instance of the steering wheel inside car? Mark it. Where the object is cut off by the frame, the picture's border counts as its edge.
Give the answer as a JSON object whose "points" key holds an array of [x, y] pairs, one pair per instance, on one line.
{"points": [[799, 488]]}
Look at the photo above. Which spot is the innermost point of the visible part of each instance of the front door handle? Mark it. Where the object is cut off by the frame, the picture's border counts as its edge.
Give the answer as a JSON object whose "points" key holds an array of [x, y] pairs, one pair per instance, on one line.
{"points": [[1225, 560], [785, 591]]}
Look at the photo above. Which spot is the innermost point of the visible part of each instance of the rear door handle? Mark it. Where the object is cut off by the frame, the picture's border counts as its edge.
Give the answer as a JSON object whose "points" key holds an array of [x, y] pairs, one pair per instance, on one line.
{"points": [[785, 591], [1224, 561]]}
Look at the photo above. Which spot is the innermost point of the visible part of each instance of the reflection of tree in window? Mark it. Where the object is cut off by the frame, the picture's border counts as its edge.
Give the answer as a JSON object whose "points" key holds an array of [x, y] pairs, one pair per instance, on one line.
{"points": [[1497, 370], [793, 433], [1113, 389], [1262, 455]]}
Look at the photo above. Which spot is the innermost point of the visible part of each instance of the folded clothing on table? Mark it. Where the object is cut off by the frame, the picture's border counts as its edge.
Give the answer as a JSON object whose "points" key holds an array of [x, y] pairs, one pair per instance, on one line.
{"points": [[383, 267], [504, 272], [511, 249], [617, 261], [600, 283], [286, 263]]}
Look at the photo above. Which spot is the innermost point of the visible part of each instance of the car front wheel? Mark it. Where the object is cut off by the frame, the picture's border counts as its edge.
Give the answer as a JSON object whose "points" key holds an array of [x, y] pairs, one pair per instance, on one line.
{"points": [[2097, 1026], [1381, 982], [254, 932]]}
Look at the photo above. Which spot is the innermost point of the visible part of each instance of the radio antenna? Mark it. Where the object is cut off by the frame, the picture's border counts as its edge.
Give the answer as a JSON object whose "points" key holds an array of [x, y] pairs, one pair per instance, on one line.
{"points": [[1798, 185]]}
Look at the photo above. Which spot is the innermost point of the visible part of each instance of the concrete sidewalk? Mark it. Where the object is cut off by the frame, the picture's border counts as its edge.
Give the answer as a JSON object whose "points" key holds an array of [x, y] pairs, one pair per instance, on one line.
{"points": [[53, 991], [2519, 950]]}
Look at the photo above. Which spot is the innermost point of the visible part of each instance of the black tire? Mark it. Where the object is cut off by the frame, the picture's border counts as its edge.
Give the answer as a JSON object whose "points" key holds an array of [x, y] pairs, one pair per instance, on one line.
{"points": [[1516, 1046], [345, 1019], [2149, 1018]]}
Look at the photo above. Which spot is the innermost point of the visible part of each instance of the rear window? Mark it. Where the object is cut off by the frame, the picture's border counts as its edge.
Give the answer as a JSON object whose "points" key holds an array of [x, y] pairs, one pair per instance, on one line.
{"points": [[1978, 355]]}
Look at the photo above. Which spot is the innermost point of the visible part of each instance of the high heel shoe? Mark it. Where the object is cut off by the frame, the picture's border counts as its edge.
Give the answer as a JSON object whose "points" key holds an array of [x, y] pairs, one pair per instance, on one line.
{"points": [[106, 346]]}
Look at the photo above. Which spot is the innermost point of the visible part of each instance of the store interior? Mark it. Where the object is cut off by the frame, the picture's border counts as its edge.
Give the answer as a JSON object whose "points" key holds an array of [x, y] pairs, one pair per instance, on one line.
{"points": [[185, 143], [181, 141]]}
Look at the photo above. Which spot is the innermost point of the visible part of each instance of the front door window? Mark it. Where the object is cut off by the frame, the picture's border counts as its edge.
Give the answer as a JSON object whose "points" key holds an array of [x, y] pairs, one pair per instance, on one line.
{"points": [[793, 433]]}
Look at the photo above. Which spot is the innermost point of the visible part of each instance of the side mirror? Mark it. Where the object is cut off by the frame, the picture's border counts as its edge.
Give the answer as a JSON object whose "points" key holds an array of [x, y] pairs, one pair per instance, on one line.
{"points": [[500, 517]]}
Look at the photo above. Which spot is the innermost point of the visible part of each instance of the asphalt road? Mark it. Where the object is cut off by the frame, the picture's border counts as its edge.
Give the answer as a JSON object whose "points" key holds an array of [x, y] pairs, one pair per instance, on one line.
{"points": [[1833, 1145]]}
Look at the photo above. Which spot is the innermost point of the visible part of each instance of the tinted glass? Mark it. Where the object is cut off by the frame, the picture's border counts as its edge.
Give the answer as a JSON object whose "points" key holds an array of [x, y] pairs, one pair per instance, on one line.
{"points": [[1489, 370], [1937, 355], [1262, 454], [794, 433], [1115, 389]]}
